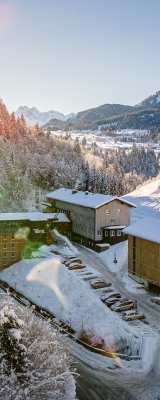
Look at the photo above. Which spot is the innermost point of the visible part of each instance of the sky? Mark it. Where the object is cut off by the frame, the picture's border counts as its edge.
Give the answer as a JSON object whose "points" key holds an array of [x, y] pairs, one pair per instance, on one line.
{"points": [[70, 55]]}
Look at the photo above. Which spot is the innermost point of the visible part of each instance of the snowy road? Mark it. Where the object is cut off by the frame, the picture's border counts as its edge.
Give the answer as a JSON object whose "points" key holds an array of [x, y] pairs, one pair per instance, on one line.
{"points": [[100, 382], [99, 385]]}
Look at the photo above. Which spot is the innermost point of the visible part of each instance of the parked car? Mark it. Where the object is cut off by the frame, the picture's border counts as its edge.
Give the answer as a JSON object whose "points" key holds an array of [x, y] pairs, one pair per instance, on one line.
{"points": [[108, 296], [76, 266], [73, 260], [89, 276], [67, 258], [97, 284], [130, 315], [122, 305], [110, 302], [155, 300], [84, 273]]}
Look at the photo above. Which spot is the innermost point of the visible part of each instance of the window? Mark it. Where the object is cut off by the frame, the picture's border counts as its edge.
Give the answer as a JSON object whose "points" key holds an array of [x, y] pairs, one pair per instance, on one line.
{"points": [[13, 246], [106, 233], [4, 255], [119, 232], [4, 246], [12, 254], [5, 237], [99, 232], [118, 210], [107, 212], [12, 237], [112, 232]]}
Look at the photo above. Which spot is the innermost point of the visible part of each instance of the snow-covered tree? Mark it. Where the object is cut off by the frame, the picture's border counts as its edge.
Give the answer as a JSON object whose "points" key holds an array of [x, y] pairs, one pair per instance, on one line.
{"points": [[35, 362]]}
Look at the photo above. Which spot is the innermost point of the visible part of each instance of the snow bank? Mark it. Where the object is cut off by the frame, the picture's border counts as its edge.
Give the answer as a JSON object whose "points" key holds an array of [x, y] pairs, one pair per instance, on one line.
{"points": [[51, 285], [149, 352], [65, 244], [119, 253]]}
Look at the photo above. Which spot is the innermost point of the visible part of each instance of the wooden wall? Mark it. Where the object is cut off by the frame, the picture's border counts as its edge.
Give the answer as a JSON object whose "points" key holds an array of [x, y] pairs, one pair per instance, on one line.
{"points": [[144, 259]]}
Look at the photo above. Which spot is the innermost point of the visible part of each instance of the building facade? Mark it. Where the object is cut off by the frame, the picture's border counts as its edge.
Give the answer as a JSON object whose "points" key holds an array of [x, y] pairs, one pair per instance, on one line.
{"points": [[18, 229], [144, 252], [95, 218]]}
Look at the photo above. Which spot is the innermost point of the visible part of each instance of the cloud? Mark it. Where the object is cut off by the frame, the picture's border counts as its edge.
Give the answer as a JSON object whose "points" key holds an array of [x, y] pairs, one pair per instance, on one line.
{"points": [[8, 16]]}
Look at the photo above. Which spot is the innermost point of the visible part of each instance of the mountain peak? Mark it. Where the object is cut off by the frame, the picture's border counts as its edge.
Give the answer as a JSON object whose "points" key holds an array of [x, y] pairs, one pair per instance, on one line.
{"points": [[33, 115]]}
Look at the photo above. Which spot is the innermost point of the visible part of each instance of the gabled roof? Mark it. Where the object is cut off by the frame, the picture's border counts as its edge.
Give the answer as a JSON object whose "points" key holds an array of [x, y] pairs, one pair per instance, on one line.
{"points": [[147, 228], [85, 199]]}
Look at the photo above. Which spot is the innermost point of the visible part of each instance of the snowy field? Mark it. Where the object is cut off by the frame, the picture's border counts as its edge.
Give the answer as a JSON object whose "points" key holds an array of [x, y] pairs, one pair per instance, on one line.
{"points": [[51, 285], [147, 200], [110, 142]]}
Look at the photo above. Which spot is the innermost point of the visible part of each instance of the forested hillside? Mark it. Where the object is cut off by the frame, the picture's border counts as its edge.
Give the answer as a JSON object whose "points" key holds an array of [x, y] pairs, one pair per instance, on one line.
{"points": [[33, 163]]}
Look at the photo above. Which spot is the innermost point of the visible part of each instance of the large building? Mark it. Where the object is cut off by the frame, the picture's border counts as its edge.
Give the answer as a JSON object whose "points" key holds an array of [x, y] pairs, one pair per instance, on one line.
{"points": [[96, 218], [17, 229], [144, 251]]}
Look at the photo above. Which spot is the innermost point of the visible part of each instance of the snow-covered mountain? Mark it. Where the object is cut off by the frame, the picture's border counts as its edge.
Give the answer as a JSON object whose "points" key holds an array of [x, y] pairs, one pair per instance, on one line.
{"points": [[151, 101], [33, 115], [147, 200]]}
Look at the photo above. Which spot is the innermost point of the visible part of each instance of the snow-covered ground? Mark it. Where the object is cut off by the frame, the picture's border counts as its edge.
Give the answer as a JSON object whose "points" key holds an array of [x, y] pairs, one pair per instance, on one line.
{"points": [[112, 142], [119, 253], [147, 200], [51, 285]]}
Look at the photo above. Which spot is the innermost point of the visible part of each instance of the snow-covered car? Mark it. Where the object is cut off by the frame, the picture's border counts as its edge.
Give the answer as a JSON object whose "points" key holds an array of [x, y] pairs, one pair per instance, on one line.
{"points": [[122, 305], [96, 284], [73, 260], [107, 296], [87, 277], [76, 266], [71, 264], [111, 301], [104, 293], [155, 300], [67, 258], [130, 315]]}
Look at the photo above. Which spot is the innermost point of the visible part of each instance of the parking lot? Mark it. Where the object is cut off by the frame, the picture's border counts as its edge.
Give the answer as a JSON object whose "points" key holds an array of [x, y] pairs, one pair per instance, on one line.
{"points": [[97, 269], [127, 307]]}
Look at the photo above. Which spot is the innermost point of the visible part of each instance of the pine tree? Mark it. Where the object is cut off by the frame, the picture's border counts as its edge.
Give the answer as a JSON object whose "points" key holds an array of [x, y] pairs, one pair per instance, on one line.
{"points": [[35, 363]]}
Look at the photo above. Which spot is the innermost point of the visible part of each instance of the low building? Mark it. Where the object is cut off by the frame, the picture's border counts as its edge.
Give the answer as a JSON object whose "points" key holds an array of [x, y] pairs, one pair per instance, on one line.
{"points": [[96, 218], [17, 229], [144, 252]]}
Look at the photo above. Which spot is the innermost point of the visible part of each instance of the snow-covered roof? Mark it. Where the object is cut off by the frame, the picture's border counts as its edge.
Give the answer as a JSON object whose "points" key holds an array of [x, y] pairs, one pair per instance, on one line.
{"points": [[102, 244], [85, 199], [115, 227], [147, 228], [33, 216]]}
